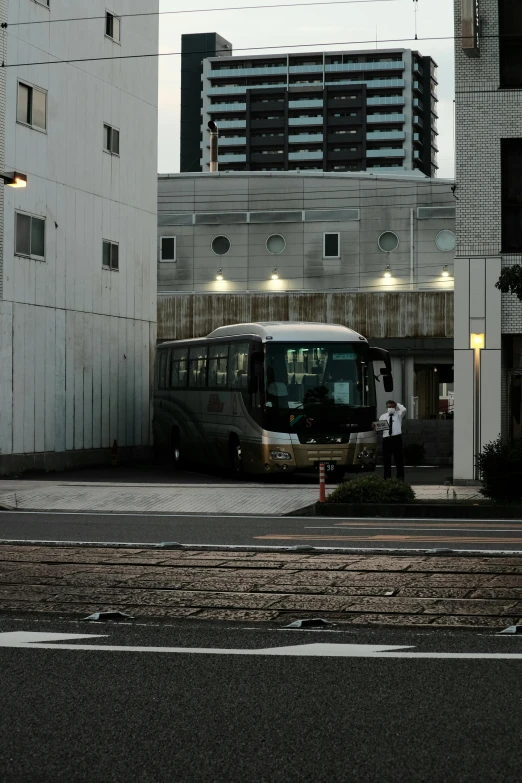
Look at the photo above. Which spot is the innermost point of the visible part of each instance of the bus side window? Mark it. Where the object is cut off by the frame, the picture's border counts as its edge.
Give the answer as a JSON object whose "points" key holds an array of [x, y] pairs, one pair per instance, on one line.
{"points": [[238, 366], [179, 368], [217, 366], [198, 367], [162, 374]]}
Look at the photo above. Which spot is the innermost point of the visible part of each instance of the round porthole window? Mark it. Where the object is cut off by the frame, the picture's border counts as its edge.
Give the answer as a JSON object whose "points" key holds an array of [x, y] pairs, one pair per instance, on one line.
{"points": [[275, 244], [446, 240], [388, 242], [221, 245]]}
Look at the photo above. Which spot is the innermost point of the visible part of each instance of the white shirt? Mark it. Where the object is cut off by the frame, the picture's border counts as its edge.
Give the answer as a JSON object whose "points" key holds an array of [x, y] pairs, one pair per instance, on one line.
{"points": [[398, 415]]}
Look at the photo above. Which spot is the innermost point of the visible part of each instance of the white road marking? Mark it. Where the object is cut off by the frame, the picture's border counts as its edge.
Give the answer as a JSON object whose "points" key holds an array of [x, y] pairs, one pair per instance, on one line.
{"points": [[38, 641]]}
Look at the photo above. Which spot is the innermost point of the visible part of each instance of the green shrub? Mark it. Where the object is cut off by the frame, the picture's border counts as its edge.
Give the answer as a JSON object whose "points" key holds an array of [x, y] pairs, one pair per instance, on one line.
{"points": [[372, 489], [414, 454], [500, 469]]}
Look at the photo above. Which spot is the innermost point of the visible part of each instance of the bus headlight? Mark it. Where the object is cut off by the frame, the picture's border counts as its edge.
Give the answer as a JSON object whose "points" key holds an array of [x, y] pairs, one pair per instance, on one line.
{"points": [[280, 455]]}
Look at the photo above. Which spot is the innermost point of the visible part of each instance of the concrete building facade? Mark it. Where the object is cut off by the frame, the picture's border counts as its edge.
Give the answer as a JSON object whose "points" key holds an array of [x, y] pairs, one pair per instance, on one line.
{"points": [[488, 325], [317, 111], [78, 278], [372, 252]]}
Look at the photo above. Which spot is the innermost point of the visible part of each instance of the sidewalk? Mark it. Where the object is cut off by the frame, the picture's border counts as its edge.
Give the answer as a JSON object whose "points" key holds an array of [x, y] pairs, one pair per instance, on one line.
{"points": [[237, 499], [276, 587]]}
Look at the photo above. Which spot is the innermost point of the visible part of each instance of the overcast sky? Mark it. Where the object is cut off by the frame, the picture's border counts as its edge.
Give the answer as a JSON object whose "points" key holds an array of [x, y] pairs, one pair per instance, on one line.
{"points": [[284, 27]]}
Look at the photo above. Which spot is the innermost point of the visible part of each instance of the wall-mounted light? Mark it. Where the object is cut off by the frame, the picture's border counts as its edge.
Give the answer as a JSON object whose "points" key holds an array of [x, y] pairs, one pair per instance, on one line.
{"points": [[219, 275], [275, 274], [388, 272], [445, 271], [14, 179], [477, 341]]}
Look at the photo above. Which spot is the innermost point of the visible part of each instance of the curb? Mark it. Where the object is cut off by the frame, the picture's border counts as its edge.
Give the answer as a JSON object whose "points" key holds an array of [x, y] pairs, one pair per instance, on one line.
{"points": [[292, 550]]}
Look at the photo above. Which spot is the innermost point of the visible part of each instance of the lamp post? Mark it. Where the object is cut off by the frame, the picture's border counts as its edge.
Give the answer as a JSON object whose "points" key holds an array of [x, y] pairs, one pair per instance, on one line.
{"points": [[214, 135], [477, 343], [14, 179]]}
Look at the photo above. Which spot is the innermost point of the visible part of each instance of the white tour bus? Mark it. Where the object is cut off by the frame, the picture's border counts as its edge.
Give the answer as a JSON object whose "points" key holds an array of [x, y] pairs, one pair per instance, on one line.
{"points": [[270, 397]]}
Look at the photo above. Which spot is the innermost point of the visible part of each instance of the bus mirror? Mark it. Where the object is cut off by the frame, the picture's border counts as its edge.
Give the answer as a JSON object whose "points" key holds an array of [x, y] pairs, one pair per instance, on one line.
{"points": [[387, 382]]}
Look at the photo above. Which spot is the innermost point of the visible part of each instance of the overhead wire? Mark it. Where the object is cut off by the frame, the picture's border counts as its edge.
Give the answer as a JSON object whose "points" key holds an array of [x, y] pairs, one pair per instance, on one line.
{"points": [[199, 11]]}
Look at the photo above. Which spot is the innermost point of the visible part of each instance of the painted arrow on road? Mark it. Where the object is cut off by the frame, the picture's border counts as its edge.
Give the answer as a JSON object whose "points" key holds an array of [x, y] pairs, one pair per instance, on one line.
{"points": [[54, 641]]}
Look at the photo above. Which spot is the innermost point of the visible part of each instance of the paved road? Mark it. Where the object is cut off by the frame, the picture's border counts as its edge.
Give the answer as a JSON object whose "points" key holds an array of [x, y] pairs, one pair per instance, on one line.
{"points": [[481, 535], [111, 716]]}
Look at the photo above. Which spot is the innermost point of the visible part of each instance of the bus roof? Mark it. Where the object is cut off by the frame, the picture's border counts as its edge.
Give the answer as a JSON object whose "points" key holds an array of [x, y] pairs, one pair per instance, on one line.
{"points": [[290, 331]]}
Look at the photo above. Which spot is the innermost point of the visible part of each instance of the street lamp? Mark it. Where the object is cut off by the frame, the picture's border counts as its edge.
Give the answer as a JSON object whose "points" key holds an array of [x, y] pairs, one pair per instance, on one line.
{"points": [[14, 179]]}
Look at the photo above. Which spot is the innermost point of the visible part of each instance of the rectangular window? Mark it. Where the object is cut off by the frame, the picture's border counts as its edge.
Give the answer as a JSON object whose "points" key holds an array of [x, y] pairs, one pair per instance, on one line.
{"points": [[179, 368], [30, 236], [238, 366], [111, 140], [111, 255], [162, 372], [168, 249], [112, 26], [510, 43], [217, 366], [332, 245], [511, 195], [31, 106], [198, 367]]}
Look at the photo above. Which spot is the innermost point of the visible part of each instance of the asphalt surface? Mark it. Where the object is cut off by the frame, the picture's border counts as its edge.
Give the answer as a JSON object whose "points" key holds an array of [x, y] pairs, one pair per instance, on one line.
{"points": [[467, 535], [101, 716]]}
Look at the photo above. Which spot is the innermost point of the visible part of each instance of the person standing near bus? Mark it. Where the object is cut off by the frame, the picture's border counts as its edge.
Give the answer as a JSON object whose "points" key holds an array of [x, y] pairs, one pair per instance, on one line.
{"points": [[392, 439]]}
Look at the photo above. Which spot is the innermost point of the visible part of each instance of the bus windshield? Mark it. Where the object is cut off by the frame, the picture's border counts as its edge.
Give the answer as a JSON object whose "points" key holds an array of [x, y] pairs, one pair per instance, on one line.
{"points": [[323, 379]]}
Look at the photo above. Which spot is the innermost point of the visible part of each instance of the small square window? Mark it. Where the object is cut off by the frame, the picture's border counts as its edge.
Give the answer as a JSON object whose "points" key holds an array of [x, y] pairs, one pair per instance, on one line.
{"points": [[30, 236], [168, 249], [111, 140], [112, 27], [332, 245], [111, 255], [31, 106]]}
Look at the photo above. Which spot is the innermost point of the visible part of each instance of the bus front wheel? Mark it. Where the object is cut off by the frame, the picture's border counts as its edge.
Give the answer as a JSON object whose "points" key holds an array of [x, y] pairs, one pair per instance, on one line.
{"points": [[236, 456]]}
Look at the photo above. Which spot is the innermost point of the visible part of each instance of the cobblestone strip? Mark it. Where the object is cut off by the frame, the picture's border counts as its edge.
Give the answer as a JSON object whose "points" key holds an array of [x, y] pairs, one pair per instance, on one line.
{"points": [[473, 592]]}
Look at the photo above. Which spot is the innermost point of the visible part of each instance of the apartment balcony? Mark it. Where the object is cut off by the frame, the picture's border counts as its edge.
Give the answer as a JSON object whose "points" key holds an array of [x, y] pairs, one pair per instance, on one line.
{"points": [[418, 69], [268, 105], [418, 86], [386, 100], [417, 120], [216, 108], [358, 67], [394, 135], [316, 103], [231, 158], [305, 120], [267, 156], [229, 141], [418, 104], [385, 152], [374, 83], [378, 118], [238, 73], [258, 123], [306, 137], [347, 154], [267, 141], [306, 155], [232, 124], [241, 90]]}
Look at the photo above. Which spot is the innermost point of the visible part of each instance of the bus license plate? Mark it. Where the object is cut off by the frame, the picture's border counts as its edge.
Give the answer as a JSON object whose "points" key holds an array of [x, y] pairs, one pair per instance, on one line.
{"points": [[329, 467]]}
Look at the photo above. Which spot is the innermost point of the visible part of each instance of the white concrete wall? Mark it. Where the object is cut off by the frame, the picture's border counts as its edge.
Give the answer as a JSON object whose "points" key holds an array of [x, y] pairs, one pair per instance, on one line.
{"points": [[77, 340]]}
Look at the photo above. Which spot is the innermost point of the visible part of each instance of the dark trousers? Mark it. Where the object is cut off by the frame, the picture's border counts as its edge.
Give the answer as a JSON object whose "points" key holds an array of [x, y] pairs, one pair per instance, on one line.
{"points": [[392, 447]]}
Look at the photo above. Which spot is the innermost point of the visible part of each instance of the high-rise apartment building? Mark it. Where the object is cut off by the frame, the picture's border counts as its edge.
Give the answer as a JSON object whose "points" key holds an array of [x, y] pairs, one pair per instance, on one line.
{"points": [[78, 244], [194, 49], [324, 111]]}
